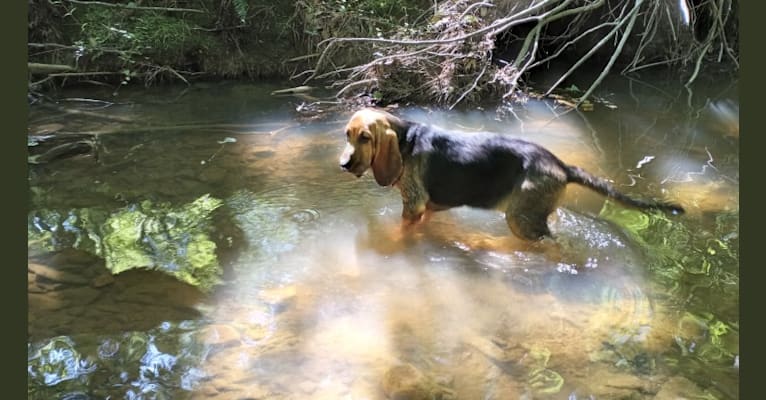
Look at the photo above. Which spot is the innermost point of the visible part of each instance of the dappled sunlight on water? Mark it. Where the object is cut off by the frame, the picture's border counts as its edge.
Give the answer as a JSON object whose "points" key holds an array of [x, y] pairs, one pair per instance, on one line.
{"points": [[350, 312], [323, 295]]}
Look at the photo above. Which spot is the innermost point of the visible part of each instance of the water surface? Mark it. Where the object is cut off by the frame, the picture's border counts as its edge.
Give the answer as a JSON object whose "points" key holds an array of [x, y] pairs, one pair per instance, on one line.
{"points": [[319, 295]]}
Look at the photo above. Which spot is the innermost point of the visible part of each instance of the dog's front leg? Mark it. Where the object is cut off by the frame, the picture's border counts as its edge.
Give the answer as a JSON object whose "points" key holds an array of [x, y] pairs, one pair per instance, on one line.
{"points": [[413, 208], [412, 215], [414, 199]]}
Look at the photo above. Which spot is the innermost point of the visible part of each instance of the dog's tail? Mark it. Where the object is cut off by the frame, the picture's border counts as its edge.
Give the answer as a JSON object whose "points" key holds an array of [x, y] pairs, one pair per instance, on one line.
{"points": [[582, 177]]}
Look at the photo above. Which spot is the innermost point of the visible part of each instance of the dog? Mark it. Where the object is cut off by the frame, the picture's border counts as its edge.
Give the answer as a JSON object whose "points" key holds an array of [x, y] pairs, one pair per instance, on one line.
{"points": [[436, 169]]}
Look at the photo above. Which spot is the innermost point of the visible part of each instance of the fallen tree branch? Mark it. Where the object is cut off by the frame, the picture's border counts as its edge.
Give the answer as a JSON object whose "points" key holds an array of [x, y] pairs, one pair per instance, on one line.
{"points": [[354, 84], [472, 87], [133, 7], [496, 27], [70, 47], [94, 73], [628, 29], [454, 54], [571, 42], [73, 74], [587, 55], [37, 68], [84, 113]]}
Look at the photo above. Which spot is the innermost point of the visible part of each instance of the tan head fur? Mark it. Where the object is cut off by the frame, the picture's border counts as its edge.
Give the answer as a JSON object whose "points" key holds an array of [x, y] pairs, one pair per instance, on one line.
{"points": [[371, 142]]}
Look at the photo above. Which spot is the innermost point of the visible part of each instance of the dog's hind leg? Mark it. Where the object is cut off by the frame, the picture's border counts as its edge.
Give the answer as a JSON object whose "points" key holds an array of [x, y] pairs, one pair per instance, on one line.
{"points": [[529, 207]]}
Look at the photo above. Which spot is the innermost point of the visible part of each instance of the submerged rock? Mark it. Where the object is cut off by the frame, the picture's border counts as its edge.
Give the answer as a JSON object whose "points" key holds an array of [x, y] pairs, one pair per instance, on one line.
{"points": [[405, 382], [72, 258], [680, 388], [220, 335], [606, 383], [56, 275], [279, 297], [102, 280]]}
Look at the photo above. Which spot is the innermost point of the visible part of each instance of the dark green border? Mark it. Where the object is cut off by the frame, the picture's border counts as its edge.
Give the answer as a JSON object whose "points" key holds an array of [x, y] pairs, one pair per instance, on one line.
{"points": [[751, 204], [14, 170], [13, 71]]}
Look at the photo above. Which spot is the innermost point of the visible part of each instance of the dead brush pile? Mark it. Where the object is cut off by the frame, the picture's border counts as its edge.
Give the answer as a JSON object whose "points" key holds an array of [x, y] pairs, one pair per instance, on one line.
{"points": [[452, 57]]}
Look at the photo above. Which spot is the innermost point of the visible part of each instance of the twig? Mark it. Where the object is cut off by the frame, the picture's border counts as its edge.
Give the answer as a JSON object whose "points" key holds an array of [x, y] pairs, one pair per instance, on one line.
{"points": [[722, 29], [376, 61], [103, 103], [587, 55], [472, 87], [133, 7], [571, 42], [354, 84], [474, 5], [697, 65], [221, 29], [85, 113], [534, 34], [497, 26], [68, 74], [301, 58], [69, 47], [174, 72], [235, 129], [616, 53], [650, 31], [656, 63], [37, 68]]}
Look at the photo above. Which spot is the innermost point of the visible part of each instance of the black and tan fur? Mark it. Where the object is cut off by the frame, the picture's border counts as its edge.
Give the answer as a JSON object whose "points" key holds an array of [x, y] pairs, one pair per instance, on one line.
{"points": [[436, 170]]}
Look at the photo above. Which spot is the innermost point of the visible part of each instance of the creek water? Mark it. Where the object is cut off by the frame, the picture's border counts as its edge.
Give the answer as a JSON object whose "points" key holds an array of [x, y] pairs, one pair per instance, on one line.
{"points": [[319, 296]]}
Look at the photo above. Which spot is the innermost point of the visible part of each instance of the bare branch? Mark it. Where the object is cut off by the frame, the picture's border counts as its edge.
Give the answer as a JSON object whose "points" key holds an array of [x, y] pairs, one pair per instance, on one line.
{"points": [[472, 87], [475, 5], [133, 7], [354, 84], [586, 56], [633, 14], [454, 56], [571, 42], [70, 47]]}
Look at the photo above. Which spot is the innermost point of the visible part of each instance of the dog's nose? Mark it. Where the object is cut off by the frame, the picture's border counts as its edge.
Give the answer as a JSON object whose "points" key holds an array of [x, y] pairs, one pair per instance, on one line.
{"points": [[346, 157], [347, 165]]}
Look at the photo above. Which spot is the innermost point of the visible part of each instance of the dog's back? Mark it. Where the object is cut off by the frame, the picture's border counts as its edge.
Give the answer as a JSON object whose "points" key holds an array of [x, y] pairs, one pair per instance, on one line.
{"points": [[486, 166], [436, 169]]}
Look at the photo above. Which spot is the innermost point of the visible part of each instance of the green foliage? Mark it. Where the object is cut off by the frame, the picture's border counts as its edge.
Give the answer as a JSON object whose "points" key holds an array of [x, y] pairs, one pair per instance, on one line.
{"points": [[356, 17], [121, 232], [673, 250], [241, 7], [540, 378], [174, 240], [707, 337], [101, 27], [165, 39], [161, 33], [701, 267]]}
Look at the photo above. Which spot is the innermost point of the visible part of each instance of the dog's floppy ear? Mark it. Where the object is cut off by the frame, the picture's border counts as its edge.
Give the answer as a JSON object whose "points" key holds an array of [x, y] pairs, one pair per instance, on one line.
{"points": [[387, 160]]}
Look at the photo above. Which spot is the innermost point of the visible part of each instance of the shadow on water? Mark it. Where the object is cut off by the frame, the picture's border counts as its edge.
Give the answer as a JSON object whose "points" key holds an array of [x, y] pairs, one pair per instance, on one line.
{"points": [[315, 292]]}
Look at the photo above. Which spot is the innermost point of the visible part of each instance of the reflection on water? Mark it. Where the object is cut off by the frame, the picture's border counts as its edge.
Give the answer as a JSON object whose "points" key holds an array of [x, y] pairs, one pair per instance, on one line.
{"points": [[321, 296]]}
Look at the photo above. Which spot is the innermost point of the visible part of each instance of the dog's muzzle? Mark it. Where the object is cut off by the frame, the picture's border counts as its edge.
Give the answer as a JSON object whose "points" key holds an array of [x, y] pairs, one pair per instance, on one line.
{"points": [[350, 166], [346, 161], [346, 165]]}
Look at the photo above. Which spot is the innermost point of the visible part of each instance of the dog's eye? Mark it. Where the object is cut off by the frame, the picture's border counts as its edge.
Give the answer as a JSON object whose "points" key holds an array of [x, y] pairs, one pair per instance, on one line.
{"points": [[364, 138]]}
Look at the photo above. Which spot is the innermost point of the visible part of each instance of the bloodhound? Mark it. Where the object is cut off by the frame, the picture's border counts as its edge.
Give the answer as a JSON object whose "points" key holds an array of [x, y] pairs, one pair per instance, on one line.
{"points": [[436, 170]]}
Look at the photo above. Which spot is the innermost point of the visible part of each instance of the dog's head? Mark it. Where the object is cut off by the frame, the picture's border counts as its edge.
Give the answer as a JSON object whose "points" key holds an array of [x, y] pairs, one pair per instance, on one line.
{"points": [[371, 142]]}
